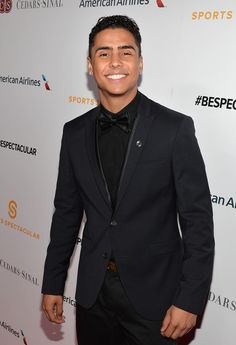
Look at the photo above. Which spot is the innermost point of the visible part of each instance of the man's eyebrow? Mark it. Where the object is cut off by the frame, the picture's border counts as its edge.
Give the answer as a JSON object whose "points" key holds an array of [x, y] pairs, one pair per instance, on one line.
{"points": [[126, 46], [103, 48]]}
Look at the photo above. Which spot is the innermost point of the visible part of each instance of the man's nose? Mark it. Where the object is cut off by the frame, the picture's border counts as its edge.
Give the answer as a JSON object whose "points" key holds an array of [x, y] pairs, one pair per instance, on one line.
{"points": [[115, 60]]}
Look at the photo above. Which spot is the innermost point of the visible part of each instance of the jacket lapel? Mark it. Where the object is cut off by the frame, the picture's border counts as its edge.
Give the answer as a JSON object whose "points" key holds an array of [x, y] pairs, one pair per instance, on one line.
{"points": [[135, 147], [92, 154], [136, 143]]}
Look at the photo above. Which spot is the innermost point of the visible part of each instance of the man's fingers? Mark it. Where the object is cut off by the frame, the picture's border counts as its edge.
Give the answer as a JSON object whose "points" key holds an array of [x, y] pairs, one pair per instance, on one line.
{"points": [[175, 331], [46, 314], [49, 310], [53, 308], [178, 333], [165, 322], [59, 311], [178, 322], [169, 331], [53, 316], [167, 327]]}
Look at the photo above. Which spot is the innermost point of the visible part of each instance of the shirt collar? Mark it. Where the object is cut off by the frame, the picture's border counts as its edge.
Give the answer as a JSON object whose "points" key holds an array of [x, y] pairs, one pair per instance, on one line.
{"points": [[131, 108]]}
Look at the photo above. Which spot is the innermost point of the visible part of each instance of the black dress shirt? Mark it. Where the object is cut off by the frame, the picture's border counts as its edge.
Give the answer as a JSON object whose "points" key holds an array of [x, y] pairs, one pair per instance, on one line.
{"points": [[112, 146]]}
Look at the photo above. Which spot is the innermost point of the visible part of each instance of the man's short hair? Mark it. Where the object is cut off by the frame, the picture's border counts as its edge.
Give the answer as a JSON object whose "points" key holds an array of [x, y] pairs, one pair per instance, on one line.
{"points": [[115, 22]]}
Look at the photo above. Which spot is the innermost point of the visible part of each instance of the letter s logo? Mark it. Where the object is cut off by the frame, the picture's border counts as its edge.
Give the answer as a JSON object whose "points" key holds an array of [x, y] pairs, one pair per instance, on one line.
{"points": [[12, 207]]}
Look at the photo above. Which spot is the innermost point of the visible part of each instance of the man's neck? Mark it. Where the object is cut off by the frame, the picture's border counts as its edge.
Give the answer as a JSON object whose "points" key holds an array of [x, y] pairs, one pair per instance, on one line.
{"points": [[115, 103]]}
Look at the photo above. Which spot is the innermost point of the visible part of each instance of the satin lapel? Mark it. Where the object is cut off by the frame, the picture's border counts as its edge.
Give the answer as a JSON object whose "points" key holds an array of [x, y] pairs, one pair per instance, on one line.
{"points": [[135, 147], [92, 154]]}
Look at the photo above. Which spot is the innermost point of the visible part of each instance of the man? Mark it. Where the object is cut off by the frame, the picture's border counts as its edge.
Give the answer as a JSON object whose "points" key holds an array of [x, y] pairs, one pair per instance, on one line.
{"points": [[135, 168]]}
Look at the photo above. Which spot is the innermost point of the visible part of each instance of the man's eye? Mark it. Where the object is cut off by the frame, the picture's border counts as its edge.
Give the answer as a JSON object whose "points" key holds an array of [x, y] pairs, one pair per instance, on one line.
{"points": [[127, 53], [103, 54]]}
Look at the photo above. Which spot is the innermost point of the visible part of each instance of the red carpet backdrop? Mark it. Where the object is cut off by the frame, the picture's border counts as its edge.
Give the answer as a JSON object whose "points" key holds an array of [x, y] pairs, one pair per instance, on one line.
{"points": [[189, 65]]}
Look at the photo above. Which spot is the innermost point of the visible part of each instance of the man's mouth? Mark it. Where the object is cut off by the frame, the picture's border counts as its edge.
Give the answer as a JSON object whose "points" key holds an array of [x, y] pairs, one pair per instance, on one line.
{"points": [[116, 76]]}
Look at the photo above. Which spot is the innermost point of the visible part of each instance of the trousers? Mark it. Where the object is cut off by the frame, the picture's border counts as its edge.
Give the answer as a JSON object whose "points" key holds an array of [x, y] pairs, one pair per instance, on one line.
{"points": [[112, 320]]}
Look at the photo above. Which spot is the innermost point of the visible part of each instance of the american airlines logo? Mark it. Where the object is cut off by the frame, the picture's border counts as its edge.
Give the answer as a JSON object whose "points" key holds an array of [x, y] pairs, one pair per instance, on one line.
{"points": [[160, 3], [116, 3]]}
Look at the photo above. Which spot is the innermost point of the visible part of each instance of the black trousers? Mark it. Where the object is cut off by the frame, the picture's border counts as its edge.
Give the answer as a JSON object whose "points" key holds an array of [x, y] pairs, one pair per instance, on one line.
{"points": [[113, 321]]}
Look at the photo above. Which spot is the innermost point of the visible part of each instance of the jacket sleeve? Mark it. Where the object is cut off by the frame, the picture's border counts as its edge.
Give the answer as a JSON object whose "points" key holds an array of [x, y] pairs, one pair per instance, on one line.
{"points": [[195, 219], [65, 226]]}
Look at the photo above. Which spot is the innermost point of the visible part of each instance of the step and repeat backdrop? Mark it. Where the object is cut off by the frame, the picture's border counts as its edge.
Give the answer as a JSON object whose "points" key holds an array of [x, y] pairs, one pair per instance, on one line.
{"points": [[189, 65]]}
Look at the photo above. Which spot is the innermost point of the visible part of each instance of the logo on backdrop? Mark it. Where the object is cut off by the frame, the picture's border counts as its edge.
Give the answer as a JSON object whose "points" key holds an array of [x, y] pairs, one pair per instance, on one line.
{"points": [[10, 225], [83, 100], [31, 5], [216, 102], [70, 301], [160, 3], [46, 83], [18, 147], [26, 81], [212, 15], [21, 273], [12, 209], [5, 6], [223, 201], [24, 338], [116, 3], [11, 330], [222, 301]]}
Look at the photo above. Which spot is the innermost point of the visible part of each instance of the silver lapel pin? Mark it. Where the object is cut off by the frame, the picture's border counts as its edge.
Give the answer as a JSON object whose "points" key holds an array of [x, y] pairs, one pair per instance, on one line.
{"points": [[139, 143]]}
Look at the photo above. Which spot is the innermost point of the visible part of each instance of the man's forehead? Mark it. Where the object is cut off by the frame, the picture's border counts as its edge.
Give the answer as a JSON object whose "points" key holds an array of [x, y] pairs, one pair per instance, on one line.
{"points": [[114, 37]]}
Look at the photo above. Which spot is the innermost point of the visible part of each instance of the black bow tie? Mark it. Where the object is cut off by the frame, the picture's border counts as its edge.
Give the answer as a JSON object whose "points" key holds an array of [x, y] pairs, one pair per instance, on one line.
{"points": [[121, 120]]}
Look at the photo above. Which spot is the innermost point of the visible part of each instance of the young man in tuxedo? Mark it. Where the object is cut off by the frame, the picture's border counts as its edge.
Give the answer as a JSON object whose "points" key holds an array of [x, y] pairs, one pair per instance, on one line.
{"points": [[135, 169]]}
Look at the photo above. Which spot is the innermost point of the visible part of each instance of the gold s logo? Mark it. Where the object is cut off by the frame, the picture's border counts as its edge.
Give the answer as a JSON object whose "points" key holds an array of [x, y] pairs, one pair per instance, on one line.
{"points": [[12, 207]]}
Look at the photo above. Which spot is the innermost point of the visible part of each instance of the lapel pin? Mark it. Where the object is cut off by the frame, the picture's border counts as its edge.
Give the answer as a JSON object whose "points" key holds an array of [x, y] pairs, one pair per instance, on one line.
{"points": [[139, 143]]}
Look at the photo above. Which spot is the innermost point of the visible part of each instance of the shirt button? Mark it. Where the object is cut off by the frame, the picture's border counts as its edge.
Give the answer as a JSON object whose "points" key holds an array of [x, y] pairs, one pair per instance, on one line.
{"points": [[113, 223], [104, 255]]}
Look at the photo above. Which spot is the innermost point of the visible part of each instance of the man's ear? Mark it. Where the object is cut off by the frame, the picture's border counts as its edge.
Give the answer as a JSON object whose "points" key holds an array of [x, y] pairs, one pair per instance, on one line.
{"points": [[140, 65], [90, 67]]}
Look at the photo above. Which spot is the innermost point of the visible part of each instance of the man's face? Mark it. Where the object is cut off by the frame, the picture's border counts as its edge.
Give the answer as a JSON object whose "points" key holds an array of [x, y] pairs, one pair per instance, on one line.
{"points": [[115, 62]]}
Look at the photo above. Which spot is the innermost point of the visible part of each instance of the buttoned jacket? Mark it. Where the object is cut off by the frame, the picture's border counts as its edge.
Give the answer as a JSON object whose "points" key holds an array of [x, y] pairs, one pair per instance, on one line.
{"points": [[161, 230]]}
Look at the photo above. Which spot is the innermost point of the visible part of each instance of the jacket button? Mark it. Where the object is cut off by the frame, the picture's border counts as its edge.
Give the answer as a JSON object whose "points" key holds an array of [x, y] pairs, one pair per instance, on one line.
{"points": [[104, 255], [113, 223]]}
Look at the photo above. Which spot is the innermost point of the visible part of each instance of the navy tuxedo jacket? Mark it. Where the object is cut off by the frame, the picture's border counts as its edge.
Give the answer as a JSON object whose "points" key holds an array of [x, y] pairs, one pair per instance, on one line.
{"points": [[161, 231]]}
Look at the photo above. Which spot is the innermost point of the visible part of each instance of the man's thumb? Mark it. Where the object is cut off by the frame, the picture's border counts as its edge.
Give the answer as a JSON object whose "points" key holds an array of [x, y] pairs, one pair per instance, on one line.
{"points": [[165, 322]]}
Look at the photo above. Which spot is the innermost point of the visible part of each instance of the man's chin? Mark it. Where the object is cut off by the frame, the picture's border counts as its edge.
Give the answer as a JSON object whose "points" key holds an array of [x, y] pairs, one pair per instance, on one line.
{"points": [[117, 93]]}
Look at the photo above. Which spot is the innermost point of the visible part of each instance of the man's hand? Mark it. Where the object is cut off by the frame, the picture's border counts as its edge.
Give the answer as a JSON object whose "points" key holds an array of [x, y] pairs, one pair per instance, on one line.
{"points": [[177, 322], [52, 306]]}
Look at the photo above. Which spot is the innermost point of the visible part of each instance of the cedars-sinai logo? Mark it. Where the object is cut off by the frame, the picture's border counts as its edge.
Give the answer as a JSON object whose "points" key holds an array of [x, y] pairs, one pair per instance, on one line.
{"points": [[5, 6], [160, 3]]}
